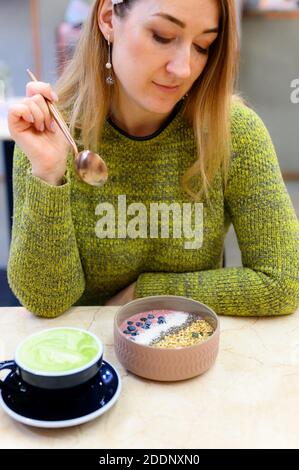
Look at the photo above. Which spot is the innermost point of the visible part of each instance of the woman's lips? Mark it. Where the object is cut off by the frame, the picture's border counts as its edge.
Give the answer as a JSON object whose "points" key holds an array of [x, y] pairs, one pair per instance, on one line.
{"points": [[166, 88]]}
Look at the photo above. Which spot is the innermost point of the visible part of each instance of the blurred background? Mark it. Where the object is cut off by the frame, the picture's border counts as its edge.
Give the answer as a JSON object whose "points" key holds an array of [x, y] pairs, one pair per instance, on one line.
{"points": [[42, 34]]}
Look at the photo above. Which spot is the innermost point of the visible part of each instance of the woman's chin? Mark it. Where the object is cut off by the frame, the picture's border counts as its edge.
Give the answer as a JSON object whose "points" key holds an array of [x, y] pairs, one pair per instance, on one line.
{"points": [[161, 106]]}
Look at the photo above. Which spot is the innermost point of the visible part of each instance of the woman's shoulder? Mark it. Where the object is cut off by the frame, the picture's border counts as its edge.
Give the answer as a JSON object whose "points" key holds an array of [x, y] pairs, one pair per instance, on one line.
{"points": [[246, 124], [241, 113]]}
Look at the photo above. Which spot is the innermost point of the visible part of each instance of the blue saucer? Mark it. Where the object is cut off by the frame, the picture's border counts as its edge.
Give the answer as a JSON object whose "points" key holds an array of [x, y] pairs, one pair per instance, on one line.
{"points": [[66, 408]]}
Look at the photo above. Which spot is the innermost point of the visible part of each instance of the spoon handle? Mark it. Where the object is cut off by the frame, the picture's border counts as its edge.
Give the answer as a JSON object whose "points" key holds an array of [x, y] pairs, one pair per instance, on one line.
{"points": [[57, 117], [62, 125]]}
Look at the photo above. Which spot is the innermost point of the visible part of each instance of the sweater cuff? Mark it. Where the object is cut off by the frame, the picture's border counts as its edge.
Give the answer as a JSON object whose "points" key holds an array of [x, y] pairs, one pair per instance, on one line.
{"points": [[149, 284], [45, 199]]}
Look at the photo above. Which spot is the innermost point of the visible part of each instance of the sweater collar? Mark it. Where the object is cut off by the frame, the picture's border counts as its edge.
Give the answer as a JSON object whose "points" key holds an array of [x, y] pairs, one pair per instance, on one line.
{"points": [[110, 125]]}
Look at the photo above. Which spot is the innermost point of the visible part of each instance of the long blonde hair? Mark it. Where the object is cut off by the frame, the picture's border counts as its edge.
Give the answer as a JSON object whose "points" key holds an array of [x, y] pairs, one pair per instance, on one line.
{"points": [[85, 97]]}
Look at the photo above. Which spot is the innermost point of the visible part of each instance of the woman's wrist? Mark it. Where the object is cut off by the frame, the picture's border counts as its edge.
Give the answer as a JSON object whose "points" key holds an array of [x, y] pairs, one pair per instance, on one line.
{"points": [[52, 179]]}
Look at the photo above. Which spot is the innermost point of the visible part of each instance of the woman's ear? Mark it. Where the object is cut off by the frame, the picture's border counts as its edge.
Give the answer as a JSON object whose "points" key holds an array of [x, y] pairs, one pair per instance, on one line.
{"points": [[104, 16]]}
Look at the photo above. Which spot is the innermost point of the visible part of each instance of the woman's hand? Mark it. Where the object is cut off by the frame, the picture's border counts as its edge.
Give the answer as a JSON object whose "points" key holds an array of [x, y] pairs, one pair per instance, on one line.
{"points": [[33, 129], [122, 297]]}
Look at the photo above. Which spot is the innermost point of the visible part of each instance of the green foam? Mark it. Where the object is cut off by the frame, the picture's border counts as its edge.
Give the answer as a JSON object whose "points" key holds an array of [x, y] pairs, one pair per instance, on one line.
{"points": [[58, 350]]}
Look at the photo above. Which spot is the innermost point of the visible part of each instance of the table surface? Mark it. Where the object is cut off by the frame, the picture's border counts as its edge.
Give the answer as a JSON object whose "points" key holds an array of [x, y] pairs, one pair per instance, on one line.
{"points": [[248, 399]]}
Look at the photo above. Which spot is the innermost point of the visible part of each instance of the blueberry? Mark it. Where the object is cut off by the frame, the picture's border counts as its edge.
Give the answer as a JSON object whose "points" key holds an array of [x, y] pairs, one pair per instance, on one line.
{"points": [[130, 322], [138, 323], [148, 322], [131, 328], [135, 333], [161, 318], [127, 332], [151, 316], [143, 319], [147, 326]]}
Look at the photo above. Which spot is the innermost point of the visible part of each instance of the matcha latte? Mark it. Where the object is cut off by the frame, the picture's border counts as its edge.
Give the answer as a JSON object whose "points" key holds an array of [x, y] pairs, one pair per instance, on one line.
{"points": [[58, 351]]}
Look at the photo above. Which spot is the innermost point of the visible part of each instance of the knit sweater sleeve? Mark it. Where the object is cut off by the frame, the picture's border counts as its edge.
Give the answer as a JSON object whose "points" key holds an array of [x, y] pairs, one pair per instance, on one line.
{"points": [[267, 230], [44, 267]]}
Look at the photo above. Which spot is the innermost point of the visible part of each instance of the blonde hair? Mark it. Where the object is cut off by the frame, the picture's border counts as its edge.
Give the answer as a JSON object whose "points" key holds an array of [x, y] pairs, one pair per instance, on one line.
{"points": [[85, 97]]}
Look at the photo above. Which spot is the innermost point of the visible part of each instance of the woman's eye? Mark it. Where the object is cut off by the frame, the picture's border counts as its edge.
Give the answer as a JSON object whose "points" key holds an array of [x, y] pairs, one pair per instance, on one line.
{"points": [[162, 40]]}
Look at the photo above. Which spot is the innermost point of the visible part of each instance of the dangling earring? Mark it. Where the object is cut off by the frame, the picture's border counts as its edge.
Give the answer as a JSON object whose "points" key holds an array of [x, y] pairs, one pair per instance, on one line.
{"points": [[109, 79]]}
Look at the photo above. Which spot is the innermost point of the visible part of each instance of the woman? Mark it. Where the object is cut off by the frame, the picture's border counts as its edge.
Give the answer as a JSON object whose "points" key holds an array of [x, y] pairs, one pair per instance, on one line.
{"points": [[196, 143]]}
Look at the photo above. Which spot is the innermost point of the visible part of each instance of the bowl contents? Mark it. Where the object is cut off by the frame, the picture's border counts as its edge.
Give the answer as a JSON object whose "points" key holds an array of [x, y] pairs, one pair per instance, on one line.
{"points": [[166, 328], [58, 350]]}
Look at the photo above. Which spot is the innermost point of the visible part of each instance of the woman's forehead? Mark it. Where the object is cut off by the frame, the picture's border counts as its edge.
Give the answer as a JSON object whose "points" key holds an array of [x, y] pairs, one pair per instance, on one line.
{"points": [[188, 14]]}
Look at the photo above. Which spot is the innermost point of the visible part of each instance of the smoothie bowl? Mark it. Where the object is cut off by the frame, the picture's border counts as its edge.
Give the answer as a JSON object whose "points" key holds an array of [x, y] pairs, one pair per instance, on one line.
{"points": [[166, 337]]}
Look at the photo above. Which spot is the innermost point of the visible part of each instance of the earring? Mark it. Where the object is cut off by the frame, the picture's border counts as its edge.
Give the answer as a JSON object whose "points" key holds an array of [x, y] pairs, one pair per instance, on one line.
{"points": [[109, 79]]}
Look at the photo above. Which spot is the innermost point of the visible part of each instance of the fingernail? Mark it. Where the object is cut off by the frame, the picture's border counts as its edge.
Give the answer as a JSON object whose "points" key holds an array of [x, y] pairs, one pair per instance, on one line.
{"points": [[54, 96], [42, 127]]}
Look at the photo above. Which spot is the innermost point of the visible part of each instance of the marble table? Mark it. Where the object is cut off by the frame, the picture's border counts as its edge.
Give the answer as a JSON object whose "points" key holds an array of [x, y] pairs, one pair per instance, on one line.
{"points": [[248, 399]]}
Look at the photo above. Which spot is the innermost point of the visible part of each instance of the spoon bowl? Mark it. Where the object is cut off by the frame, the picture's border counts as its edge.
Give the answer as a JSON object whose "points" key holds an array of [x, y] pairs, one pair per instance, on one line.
{"points": [[91, 168]]}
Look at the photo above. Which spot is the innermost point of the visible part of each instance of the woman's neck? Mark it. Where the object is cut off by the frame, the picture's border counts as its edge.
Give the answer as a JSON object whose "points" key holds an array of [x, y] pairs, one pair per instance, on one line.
{"points": [[134, 120]]}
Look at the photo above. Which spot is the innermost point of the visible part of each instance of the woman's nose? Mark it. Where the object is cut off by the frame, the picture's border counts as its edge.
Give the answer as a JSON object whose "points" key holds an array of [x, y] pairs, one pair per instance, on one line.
{"points": [[180, 65]]}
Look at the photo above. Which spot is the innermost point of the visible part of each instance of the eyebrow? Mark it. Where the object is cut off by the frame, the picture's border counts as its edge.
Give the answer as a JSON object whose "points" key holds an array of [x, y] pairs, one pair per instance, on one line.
{"points": [[182, 24]]}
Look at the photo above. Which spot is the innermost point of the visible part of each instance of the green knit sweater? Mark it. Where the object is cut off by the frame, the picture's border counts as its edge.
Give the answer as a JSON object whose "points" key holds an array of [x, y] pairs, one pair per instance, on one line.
{"points": [[57, 258]]}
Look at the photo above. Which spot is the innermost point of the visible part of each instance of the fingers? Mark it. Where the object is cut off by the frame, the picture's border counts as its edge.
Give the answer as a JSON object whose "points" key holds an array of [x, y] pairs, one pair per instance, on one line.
{"points": [[37, 92], [18, 111], [34, 109], [40, 112], [42, 88]]}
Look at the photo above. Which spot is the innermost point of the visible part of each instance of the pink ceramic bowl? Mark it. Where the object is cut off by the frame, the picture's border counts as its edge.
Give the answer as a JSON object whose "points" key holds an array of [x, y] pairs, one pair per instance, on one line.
{"points": [[166, 364]]}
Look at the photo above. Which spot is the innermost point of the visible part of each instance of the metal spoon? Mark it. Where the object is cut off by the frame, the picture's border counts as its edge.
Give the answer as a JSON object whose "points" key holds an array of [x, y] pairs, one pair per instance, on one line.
{"points": [[89, 166]]}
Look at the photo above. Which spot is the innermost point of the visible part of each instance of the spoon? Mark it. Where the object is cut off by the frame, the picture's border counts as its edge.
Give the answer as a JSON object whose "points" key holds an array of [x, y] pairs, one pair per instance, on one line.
{"points": [[90, 167]]}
